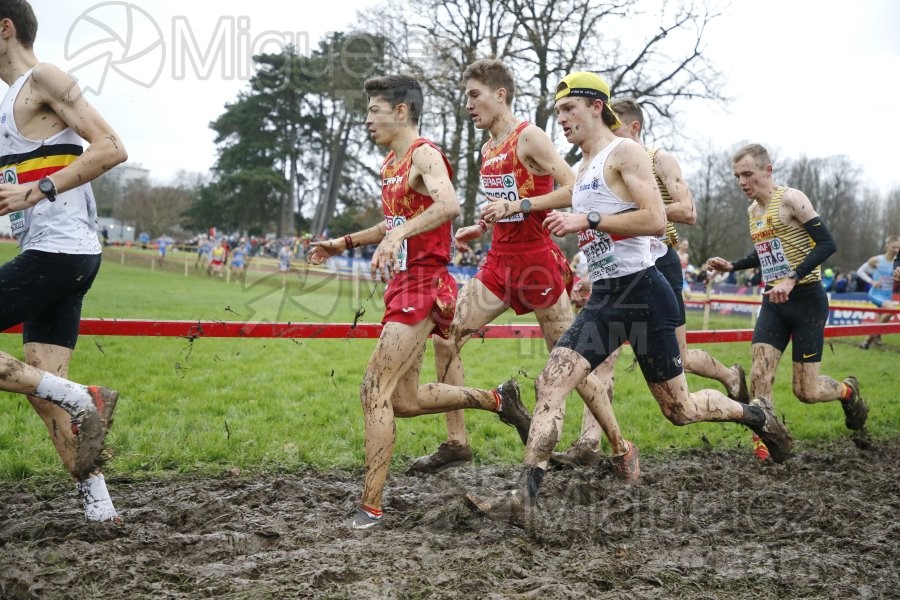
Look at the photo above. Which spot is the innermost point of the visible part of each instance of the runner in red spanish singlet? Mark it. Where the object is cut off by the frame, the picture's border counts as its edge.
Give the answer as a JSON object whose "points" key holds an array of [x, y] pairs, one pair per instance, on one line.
{"points": [[413, 252], [525, 270]]}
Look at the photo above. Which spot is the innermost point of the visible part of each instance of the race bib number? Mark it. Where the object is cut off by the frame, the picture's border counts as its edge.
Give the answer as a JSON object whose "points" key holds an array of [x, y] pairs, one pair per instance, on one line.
{"points": [[772, 261], [16, 219], [502, 187], [599, 250], [401, 256]]}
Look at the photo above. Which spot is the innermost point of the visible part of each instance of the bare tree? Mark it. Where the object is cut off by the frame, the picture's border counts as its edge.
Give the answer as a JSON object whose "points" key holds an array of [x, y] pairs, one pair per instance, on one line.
{"points": [[542, 40], [157, 210], [722, 226]]}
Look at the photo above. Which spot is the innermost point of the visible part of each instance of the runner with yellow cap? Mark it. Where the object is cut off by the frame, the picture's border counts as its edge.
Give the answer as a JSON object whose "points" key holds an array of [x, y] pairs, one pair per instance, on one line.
{"points": [[617, 213]]}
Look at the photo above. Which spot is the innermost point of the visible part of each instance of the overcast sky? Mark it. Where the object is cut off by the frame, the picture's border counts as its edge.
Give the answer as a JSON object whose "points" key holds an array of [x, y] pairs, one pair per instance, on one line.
{"points": [[810, 77]]}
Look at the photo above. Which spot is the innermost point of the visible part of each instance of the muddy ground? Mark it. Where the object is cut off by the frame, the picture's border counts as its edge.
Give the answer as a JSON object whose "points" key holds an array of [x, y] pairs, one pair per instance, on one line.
{"points": [[707, 524]]}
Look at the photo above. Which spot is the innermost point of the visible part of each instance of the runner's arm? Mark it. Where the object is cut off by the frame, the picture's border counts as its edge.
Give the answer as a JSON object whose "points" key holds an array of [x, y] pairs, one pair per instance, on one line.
{"points": [[864, 271], [681, 209], [436, 180], [105, 150]]}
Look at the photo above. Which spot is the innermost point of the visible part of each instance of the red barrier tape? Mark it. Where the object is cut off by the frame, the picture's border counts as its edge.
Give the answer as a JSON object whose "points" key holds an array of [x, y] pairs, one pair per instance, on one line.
{"points": [[230, 329]]}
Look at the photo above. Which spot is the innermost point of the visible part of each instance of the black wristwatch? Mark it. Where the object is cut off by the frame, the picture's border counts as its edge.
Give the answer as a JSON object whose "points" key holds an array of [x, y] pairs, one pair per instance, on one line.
{"points": [[594, 219], [47, 188], [524, 206], [793, 275]]}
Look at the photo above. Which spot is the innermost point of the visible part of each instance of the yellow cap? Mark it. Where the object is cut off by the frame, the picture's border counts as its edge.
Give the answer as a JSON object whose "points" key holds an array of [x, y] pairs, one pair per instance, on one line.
{"points": [[587, 85]]}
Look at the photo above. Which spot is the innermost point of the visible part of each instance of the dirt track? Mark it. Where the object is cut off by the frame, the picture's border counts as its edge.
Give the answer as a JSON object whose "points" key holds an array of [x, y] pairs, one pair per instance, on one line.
{"points": [[700, 525]]}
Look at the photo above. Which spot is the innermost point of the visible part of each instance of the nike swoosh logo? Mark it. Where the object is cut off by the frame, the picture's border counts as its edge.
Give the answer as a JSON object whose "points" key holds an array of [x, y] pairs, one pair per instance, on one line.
{"points": [[810, 355], [408, 309], [545, 292]]}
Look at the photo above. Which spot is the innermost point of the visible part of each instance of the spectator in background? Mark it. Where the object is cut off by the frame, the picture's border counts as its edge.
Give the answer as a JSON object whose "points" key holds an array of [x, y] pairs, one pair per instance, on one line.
{"points": [[840, 283], [284, 262], [238, 260], [216, 260], [878, 273]]}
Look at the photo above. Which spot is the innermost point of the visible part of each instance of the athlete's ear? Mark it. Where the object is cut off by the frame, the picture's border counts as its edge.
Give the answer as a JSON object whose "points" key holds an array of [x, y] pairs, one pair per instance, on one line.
{"points": [[7, 28], [402, 112]]}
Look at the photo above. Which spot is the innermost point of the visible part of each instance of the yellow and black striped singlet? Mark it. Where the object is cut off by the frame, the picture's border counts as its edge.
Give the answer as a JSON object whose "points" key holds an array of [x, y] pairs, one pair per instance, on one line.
{"points": [[671, 236], [780, 248]]}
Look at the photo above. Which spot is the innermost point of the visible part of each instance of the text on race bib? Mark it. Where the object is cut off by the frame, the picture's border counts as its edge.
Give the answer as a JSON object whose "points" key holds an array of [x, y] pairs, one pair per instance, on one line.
{"points": [[772, 260], [503, 187], [396, 221], [599, 250]]}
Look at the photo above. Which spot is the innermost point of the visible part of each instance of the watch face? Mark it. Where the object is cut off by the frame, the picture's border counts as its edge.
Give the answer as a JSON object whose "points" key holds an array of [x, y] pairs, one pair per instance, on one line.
{"points": [[525, 205], [45, 185]]}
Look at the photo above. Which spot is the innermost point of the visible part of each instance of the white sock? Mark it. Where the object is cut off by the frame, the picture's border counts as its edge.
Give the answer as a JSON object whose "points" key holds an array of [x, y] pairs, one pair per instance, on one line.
{"points": [[71, 396], [98, 505]]}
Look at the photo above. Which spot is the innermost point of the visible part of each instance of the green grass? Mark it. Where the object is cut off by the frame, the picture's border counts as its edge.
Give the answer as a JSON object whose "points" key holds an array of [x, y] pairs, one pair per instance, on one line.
{"points": [[267, 405]]}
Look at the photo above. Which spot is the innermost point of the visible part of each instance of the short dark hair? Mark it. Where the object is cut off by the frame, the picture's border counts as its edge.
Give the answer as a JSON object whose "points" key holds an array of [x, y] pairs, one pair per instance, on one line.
{"points": [[494, 74], [22, 16], [757, 151], [398, 89]]}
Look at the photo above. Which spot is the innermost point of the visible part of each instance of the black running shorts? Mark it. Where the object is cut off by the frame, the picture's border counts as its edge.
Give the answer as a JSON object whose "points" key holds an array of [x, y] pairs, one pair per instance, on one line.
{"points": [[640, 309], [669, 266], [44, 291], [801, 319]]}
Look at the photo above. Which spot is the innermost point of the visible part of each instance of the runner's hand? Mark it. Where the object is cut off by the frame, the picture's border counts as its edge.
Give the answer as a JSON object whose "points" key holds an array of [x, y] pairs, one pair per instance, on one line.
{"points": [[385, 259], [466, 234], [781, 290], [15, 197], [497, 209], [719, 264], [322, 251], [561, 223]]}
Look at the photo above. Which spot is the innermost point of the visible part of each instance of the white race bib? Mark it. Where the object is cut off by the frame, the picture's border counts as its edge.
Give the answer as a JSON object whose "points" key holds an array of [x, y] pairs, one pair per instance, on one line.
{"points": [[17, 220], [599, 250], [505, 188], [392, 222], [772, 261]]}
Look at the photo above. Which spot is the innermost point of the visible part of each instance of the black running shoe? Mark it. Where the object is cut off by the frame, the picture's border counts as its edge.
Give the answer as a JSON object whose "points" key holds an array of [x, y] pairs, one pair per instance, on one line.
{"points": [[512, 411]]}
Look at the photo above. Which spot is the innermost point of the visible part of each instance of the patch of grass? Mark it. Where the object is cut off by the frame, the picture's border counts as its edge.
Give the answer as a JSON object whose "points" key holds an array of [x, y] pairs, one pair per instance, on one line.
{"points": [[276, 405]]}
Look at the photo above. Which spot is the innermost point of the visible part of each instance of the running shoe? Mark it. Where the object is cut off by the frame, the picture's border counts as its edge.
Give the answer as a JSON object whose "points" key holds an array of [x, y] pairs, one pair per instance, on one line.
{"points": [[512, 411], [855, 410], [449, 454], [627, 466], [773, 432], [89, 427], [363, 519], [580, 454], [507, 508], [743, 395]]}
